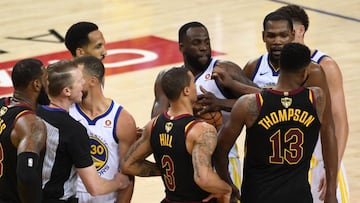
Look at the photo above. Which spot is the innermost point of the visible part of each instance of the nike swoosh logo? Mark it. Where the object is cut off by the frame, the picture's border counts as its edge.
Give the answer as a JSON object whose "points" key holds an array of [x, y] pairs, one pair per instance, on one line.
{"points": [[263, 73]]}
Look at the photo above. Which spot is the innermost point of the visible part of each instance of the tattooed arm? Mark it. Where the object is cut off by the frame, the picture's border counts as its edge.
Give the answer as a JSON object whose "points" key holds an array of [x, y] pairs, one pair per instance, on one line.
{"points": [[135, 162], [245, 111], [201, 142]]}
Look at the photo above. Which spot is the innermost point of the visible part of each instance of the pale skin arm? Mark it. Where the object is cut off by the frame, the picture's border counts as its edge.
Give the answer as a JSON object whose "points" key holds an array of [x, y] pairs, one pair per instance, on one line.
{"points": [[333, 74], [201, 142], [243, 113], [135, 162], [29, 135], [126, 134], [96, 185]]}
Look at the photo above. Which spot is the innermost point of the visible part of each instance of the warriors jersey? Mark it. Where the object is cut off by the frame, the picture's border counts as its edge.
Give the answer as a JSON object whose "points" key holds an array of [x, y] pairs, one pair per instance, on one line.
{"points": [[168, 138], [8, 152], [67, 148], [279, 147], [265, 75], [204, 80], [103, 140]]}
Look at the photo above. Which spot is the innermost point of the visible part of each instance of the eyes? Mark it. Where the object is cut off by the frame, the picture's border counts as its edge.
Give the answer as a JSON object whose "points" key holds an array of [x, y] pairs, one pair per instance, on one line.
{"points": [[197, 42], [273, 35]]}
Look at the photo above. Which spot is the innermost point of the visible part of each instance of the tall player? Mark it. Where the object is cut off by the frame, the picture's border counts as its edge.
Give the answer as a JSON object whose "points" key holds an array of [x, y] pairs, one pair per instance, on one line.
{"points": [[109, 125], [282, 128], [22, 135], [194, 44], [335, 83]]}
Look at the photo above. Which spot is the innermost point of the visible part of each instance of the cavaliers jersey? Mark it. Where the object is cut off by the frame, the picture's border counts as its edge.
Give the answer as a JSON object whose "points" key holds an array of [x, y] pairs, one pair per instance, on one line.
{"points": [[168, 138], [67, 148], [279, 147], [265, 75], [8, 152], [204, 79], [103, 140]]}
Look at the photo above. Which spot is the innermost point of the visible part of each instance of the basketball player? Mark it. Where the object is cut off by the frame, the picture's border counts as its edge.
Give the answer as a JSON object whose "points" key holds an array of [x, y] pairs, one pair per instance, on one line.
{"points": [[85, 39], [22, 135], [110, 127], [334, 78], [194, 44], [182, 146], [282, 128], [67, 145]]}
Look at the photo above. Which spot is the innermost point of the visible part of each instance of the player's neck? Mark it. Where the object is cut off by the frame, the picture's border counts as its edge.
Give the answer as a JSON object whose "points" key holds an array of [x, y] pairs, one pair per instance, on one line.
{"points": [[286, 84], [179, 108], [61, 103], [94, 106], [20, 97]]}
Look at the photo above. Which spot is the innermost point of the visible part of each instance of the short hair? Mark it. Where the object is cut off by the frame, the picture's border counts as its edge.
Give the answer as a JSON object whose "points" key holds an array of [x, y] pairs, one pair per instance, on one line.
{"points": [[77, 35], [297, 14], [92, 66], [276, 16], [174, 81], [183, 29], [25, 71], [294, 57], [59, 76]]}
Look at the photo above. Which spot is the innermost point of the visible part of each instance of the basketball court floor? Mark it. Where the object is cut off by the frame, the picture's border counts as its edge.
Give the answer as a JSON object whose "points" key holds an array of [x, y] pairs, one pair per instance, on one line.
{"points": [[141, 40]]}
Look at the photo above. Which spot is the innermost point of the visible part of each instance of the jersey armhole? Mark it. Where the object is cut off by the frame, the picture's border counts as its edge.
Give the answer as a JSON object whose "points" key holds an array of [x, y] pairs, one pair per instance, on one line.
{"points": [[22, 113], [190, 125], [312, 98], [259, 100]]}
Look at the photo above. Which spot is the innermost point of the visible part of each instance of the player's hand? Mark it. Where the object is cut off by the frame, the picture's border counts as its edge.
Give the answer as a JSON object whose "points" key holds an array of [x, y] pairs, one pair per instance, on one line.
{"points": [[208, 100], [223, 77], [122, 180], [322, 188], [220, 198]]}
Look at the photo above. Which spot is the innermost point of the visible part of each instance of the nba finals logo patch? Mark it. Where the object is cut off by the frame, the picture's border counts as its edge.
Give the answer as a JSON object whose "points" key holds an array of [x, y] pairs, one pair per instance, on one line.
{"points": [[99, 152], [286, 102], [168, 126]]}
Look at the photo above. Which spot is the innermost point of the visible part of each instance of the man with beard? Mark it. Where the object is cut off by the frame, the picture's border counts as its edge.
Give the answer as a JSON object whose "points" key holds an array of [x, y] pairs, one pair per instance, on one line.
{"points": [[194, 44], [265, 71], [108, 124], [22, 135]]}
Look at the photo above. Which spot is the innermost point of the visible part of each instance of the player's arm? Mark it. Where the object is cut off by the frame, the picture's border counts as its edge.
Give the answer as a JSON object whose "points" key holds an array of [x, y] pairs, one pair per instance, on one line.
{"points": [[249, 68], [244, 112], [29, 135], [201, 142], [161, 103], [328, 139], [135, 162], [333, 74], [126, 134], [96, 185]]}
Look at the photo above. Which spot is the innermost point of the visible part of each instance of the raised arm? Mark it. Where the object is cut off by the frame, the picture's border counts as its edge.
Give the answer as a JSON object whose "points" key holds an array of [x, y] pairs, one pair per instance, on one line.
{"points": [[29, 135], [161, 103], [135, 162], [126, 134], [201, 142]]}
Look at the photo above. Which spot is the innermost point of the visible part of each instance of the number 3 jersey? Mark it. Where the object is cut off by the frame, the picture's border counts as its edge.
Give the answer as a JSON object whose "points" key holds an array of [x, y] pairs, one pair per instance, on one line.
{"points": [[103, 140], [168, 138], [279, 146]]}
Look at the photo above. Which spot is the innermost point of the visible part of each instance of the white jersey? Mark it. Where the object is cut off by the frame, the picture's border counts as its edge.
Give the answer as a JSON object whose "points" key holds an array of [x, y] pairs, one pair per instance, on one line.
{"points": [[204, 80], [265, 76], [103, 141]]}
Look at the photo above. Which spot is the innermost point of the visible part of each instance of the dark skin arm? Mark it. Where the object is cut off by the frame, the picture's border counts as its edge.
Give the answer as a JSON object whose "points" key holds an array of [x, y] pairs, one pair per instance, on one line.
{"points": [[161, 103], [243, 113], [327, 131], [212, 103], [249, 68], [29, 135]]}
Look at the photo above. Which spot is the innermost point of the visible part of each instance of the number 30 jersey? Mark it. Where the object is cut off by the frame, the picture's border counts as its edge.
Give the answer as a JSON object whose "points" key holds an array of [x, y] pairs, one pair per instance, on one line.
{"points": [[279, 146]]}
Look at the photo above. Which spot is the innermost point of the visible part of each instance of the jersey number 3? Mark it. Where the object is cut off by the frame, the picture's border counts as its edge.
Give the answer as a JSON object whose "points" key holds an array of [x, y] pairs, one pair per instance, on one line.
{"points": [[169, 178], [294, 139]]}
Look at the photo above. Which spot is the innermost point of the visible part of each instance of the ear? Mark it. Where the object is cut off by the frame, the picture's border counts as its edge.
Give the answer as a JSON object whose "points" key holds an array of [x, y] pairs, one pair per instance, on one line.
{"points": [[79, 52], [181, 47], [67, 91], [302, 30], [37, 85], [263, 36], [186, 91]]}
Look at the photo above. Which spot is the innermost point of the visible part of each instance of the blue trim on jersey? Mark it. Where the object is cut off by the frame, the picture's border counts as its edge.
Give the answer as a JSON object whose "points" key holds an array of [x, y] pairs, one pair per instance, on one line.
{"points": [[256, 68], [319, 60], [93, 122], [52, 108], [316, 51], [274, 72], [115, 124]]}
